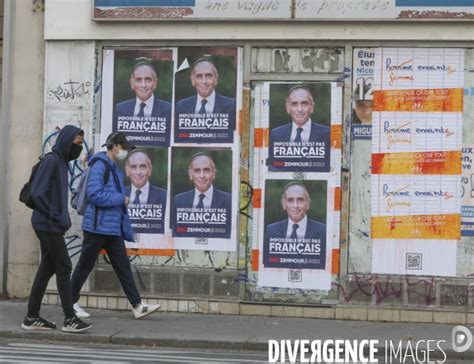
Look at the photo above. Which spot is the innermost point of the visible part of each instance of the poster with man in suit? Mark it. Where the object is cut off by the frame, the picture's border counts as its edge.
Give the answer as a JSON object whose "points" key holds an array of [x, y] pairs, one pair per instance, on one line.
{"points": [[295, 231], [299, 122], [147, 169], [143, 83], [201, 202], [205, 108]]}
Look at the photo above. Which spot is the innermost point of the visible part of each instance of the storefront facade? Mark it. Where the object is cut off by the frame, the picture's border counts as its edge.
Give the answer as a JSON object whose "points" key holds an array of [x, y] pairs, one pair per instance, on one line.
{"points": [[370, 248]]}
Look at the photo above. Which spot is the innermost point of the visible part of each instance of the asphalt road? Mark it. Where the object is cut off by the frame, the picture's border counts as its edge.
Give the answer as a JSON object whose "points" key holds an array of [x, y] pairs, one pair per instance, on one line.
{"points": [[15, 351]]}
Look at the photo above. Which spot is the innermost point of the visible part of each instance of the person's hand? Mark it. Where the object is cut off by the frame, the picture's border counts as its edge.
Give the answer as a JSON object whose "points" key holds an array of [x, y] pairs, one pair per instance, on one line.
{"points": [[127, 200]]}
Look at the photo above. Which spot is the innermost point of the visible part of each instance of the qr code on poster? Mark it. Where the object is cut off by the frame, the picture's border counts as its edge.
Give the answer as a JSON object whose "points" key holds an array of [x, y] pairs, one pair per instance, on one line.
{"points": [[414, 261], [295, 275], [201, 241], [299, 175]]}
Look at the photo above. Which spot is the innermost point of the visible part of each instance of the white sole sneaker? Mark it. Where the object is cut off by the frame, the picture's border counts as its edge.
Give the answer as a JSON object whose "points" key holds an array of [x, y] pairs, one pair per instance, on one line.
{"points": [[24, 327], [79, 311], [68, 329], [150, 310]]}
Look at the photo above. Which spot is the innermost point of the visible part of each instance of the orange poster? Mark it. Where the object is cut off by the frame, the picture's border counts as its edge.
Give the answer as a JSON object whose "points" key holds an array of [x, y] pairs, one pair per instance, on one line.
{"points": [[426, 100], [417, 227], [445, 163]]}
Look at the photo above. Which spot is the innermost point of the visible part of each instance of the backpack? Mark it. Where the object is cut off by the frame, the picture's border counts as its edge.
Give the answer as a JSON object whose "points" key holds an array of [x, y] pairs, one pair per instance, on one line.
{"points": [[79, 200], [25, 193]]}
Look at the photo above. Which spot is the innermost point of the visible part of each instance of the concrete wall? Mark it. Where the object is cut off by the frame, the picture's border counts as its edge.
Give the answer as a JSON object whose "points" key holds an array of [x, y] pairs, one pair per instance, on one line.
{"points": [[3, 170], [71, 19], [2, 4], [24, 138]]}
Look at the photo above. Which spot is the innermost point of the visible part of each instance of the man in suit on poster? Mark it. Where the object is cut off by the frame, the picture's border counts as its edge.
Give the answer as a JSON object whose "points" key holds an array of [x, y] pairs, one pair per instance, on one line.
{"points": [[143, 81], [139, 168], [300, 105], [204, 196], [204, 78], [301, 129], [296, 202]]}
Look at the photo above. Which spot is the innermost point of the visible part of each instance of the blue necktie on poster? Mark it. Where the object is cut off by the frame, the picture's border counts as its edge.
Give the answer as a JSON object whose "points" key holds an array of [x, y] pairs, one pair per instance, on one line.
{"points": [[293, 233], [200, 204], [136, 201], [298, 135], [202, 110], [141, 113]]}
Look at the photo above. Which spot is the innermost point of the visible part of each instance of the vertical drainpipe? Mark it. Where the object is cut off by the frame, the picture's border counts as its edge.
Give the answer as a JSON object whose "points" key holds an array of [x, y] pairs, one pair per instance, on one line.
{"points": [[5, 123]]}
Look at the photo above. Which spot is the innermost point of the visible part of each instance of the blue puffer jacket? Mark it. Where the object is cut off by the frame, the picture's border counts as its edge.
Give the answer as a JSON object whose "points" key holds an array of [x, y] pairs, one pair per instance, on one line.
{"points": [[112, 218]]}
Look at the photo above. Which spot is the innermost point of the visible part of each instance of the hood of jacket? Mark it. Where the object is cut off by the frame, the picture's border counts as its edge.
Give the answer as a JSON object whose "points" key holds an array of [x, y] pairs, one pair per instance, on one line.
{"points": [[64, 141]]}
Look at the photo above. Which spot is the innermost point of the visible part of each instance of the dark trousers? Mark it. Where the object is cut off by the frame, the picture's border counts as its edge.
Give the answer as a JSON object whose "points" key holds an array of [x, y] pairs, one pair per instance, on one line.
{"points": [[54, 260], [115, 247]]}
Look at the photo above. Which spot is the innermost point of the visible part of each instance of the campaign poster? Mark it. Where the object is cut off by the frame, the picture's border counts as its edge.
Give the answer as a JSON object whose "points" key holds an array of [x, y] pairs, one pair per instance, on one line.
{"points": [[142, 90], [408, 194], [205, 95], [146, 171], [295, 224], [201, 193], [362, 91], [417, 132], [416, 160], [300, 127]]}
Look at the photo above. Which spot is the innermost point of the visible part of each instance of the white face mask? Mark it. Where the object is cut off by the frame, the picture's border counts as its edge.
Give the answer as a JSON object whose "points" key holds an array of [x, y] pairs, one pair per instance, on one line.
{"points": [[122, 154]]}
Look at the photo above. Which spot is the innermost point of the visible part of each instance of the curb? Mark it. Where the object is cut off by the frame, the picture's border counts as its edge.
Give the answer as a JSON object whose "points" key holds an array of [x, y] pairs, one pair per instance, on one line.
{"points": [[135, 341]]}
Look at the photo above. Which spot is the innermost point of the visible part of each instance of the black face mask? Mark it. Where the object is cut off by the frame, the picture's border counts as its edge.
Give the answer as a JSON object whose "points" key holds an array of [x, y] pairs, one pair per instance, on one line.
{"points": [[74, 152]]}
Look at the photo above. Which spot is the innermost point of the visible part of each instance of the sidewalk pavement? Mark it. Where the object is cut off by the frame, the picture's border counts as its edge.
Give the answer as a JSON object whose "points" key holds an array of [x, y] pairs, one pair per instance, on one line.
{"points": [[221, 332]]}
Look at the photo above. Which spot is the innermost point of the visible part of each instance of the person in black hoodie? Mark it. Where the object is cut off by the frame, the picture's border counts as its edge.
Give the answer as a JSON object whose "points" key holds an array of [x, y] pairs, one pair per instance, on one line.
{"points": [[50, 220]]}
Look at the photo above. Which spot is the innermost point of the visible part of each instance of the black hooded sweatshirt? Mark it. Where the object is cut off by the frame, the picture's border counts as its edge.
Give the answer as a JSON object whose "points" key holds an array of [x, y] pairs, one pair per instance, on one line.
{"points": [[49, 188]]}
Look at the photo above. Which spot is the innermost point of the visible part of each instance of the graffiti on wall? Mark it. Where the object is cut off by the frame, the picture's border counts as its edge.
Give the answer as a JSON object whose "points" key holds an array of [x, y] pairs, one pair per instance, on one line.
{"points": [[69, 90]]}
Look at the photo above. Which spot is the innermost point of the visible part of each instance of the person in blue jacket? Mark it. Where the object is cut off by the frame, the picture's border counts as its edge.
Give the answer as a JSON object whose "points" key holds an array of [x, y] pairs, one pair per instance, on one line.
{"points": [[50, 220], [106, 225]]}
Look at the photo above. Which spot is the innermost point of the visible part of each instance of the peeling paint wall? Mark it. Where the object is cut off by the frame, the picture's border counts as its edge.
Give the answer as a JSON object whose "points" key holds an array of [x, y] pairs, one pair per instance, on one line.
{"points": [[360, 248]]}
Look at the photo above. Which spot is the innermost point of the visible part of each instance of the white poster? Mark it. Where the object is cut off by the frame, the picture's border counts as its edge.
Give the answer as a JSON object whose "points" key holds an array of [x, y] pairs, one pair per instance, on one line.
{"points": [[418, 68], [395, 195], [296, 230], [416, 160], [416, 131], [414, 257]]}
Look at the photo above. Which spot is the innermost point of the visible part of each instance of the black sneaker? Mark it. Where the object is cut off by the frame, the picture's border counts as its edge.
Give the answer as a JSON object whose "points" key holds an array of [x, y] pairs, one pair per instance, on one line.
{"points": [[37, 324], [75, 324]]}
